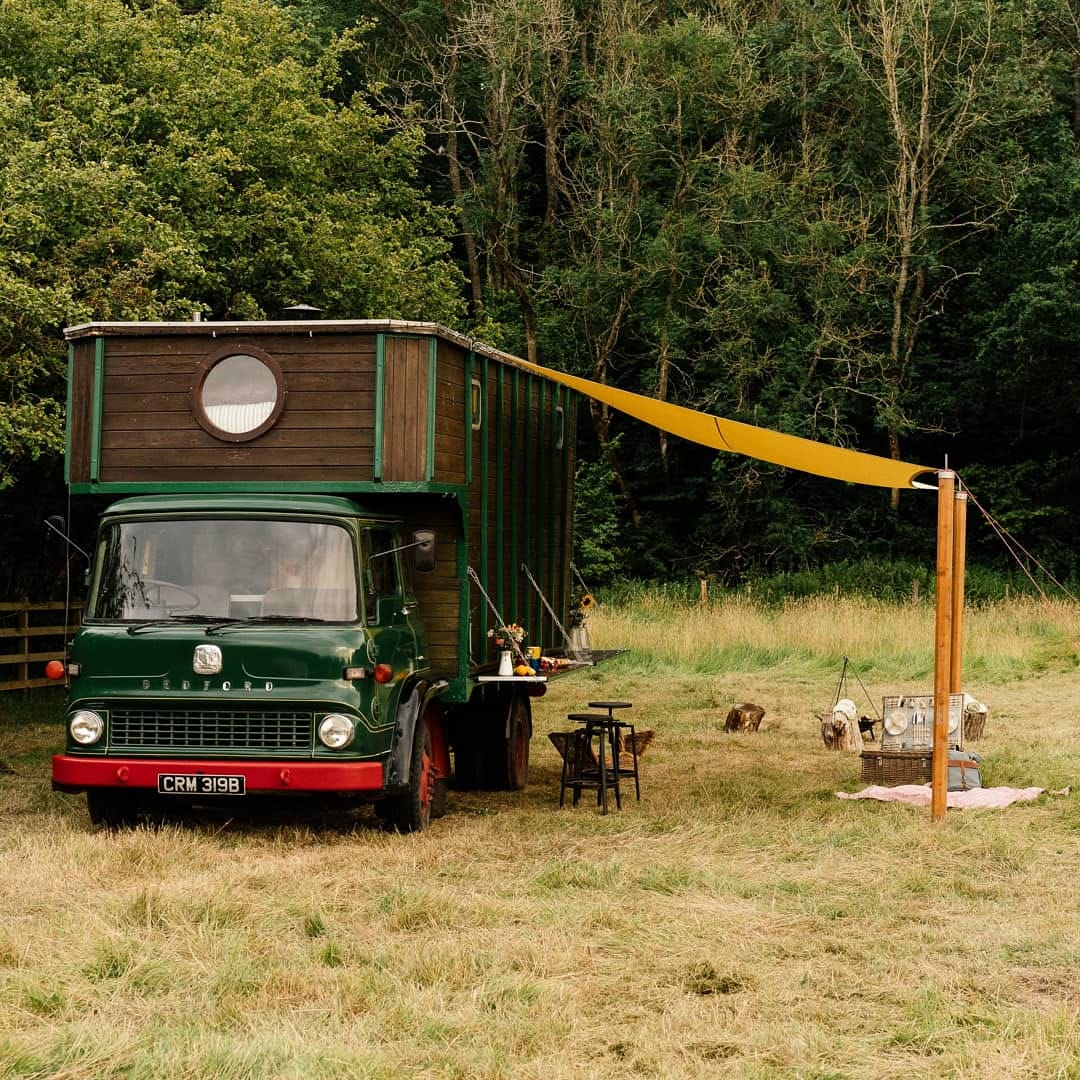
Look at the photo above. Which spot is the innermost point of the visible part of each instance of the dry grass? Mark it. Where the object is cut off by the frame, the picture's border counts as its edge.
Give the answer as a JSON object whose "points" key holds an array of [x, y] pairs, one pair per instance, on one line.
{"points": [[739, 921]]}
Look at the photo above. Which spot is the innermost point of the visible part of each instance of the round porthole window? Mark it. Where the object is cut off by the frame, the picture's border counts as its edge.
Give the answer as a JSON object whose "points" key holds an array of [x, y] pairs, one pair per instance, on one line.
{"points": [[239, 394]]}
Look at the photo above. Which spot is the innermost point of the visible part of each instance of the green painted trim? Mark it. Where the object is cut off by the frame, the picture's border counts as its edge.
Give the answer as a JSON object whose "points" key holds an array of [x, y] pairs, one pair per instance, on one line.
{"points": [[485, 494], [500, 482], [469, 433], [433, 360], [465, 622], [95, 423], [464, 610], [199, 487], [380, 404], [67, 412]]}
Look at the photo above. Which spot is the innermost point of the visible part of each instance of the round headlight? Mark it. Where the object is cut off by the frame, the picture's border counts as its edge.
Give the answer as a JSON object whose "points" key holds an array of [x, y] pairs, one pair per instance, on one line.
{"points": [[336, 731], [954, 722], [896, 722], [86, 727]]}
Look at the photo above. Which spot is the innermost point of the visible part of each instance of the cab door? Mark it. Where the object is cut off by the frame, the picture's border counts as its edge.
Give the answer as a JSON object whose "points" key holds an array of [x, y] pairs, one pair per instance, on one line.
{"points": [[391, 640]]}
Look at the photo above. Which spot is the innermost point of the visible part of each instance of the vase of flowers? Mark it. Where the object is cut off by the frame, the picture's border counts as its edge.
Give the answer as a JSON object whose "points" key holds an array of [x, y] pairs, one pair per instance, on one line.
{"points": [[578, 646], [508, 640]]}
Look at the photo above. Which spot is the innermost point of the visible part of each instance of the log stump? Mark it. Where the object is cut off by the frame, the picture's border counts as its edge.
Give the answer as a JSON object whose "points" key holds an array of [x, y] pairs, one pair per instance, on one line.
{"points": [[974, 723], [841, 730], [744, 717]]}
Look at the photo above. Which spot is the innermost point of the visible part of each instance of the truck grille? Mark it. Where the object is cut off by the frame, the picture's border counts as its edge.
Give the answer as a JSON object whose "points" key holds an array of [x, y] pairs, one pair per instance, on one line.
{"points": [[158, 730]]}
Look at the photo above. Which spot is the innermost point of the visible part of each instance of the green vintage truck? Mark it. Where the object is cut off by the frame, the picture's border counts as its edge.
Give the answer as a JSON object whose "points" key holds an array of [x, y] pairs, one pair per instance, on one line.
{"points": [[308, 528]]}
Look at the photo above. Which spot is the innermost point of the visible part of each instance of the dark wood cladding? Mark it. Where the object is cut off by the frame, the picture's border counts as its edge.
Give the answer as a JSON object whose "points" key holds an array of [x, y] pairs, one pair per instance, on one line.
{"points": [[148, 432], [405, 412], [438, 594], [450, 414], [519, 511], [81, 420]]}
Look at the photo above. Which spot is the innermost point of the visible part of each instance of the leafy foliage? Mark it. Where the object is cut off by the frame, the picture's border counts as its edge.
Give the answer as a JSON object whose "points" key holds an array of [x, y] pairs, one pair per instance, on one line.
{"points": [[848, 223]]}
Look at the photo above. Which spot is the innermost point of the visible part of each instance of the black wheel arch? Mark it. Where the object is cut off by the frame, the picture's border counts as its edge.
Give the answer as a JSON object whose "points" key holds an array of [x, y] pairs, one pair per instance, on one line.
{"points": [[415, 697]]}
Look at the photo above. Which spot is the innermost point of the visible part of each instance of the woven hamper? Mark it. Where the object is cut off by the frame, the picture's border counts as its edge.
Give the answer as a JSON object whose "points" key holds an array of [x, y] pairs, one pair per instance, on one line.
{"points": [[891, 767]]}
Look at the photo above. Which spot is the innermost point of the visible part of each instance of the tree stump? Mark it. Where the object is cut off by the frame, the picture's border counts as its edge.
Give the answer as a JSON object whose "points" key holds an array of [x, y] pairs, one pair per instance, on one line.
{"points": [[839, 733], [974, 722], [840, 730], [744, 717]]}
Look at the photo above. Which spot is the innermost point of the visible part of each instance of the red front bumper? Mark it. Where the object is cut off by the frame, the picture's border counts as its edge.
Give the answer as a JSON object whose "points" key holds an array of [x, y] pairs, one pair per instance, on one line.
{"points": [[78, 774]]}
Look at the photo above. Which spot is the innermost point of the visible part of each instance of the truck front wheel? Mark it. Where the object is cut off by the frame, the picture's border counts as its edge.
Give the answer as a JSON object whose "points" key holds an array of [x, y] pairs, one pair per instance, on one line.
{"points": [[412, 810]]}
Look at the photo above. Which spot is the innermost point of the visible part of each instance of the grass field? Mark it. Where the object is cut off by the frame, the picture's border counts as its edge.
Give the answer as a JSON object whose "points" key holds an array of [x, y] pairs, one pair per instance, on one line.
{"points": [[740, 921]]}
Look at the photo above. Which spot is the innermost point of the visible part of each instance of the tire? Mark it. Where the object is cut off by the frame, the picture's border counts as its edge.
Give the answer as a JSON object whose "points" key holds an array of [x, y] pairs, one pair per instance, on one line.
{"points": [[412, 811], [109, 809], [468, 752], [508, 745]]}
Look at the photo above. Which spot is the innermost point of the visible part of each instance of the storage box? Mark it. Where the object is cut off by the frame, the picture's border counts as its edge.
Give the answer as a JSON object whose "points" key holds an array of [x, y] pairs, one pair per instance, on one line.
{"points": [[909, 721], [892, 767]]}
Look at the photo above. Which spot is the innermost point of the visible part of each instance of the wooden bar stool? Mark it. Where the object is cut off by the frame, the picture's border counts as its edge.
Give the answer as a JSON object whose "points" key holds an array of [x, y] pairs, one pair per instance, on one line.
{"points": [[585, 770], [619, 725]]}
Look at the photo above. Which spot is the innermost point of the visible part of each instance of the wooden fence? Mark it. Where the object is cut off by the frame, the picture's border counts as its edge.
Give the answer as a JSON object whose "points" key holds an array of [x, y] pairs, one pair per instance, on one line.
{"points": [[30, 636]]}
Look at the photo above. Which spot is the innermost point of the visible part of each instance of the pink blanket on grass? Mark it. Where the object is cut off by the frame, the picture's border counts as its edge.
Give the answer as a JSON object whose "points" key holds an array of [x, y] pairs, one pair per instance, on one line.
{"points": [[919, 795]]}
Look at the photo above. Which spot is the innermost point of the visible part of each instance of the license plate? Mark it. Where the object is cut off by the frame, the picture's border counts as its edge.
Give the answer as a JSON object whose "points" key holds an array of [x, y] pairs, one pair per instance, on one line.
{"points": [[199, 784]]}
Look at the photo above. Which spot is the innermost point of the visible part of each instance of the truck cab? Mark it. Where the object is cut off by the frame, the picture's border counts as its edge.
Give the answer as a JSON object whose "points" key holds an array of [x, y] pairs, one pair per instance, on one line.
{"points": [[243, 644]]}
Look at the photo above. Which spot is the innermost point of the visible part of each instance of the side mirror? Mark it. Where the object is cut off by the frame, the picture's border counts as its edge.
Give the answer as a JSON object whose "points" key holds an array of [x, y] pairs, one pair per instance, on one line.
{"points": [[59, 526], [423, 545]]}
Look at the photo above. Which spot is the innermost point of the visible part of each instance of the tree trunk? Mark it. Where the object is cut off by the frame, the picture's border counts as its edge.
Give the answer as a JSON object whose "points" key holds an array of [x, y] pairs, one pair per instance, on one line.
{"points": [[840, 733], [744, 717]]}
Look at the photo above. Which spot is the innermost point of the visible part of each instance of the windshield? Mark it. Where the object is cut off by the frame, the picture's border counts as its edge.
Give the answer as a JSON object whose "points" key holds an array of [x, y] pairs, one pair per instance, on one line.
{"points": [[224, 569]]}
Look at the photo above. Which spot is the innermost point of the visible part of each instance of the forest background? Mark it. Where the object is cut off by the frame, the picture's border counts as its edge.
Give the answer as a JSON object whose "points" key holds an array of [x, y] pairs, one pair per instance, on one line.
{"points": [[856, 221]]}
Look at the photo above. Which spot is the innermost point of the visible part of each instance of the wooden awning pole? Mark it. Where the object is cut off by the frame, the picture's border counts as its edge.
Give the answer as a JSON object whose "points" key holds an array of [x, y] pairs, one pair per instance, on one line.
{"points": [[943, 621], [956, 659]]}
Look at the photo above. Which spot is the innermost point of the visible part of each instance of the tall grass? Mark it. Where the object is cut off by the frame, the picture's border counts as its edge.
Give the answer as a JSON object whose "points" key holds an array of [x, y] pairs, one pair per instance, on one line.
{"points": [[808, 637]]}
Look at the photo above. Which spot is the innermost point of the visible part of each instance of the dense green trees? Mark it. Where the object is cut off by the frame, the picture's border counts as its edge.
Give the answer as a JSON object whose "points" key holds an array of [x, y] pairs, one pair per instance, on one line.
{"points": [[855, 222], [777, 212]]}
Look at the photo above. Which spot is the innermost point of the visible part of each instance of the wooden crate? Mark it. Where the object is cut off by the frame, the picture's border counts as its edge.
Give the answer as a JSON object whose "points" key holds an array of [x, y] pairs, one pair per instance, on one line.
{"points": [[892, 767]]}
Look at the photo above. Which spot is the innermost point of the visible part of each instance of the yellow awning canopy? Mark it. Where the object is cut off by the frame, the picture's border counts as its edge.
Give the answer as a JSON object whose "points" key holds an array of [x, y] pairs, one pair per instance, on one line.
{"points": [[789, 451]]}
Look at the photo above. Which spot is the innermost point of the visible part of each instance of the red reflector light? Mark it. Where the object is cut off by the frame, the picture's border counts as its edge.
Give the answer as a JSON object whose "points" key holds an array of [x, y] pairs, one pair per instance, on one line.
{"points": [[383, 673], [54, 670]]}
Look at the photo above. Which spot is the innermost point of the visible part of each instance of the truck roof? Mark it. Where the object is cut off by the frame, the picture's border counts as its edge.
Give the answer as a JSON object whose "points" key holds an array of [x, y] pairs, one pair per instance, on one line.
{"points": [[303, 327], [244, 502]]}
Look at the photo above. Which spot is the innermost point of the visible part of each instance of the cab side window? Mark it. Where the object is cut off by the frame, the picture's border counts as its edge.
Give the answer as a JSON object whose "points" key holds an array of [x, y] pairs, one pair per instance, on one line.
{"points": [[380, 570]]}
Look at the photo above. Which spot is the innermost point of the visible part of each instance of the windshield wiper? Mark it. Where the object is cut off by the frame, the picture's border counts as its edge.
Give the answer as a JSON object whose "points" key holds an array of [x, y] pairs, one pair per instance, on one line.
{"points": [[264, 620], [172, 620]]}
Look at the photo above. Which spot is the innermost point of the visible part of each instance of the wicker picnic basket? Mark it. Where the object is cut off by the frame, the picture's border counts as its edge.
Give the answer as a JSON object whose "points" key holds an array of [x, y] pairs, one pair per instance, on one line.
{"points": [[891, 767]]}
